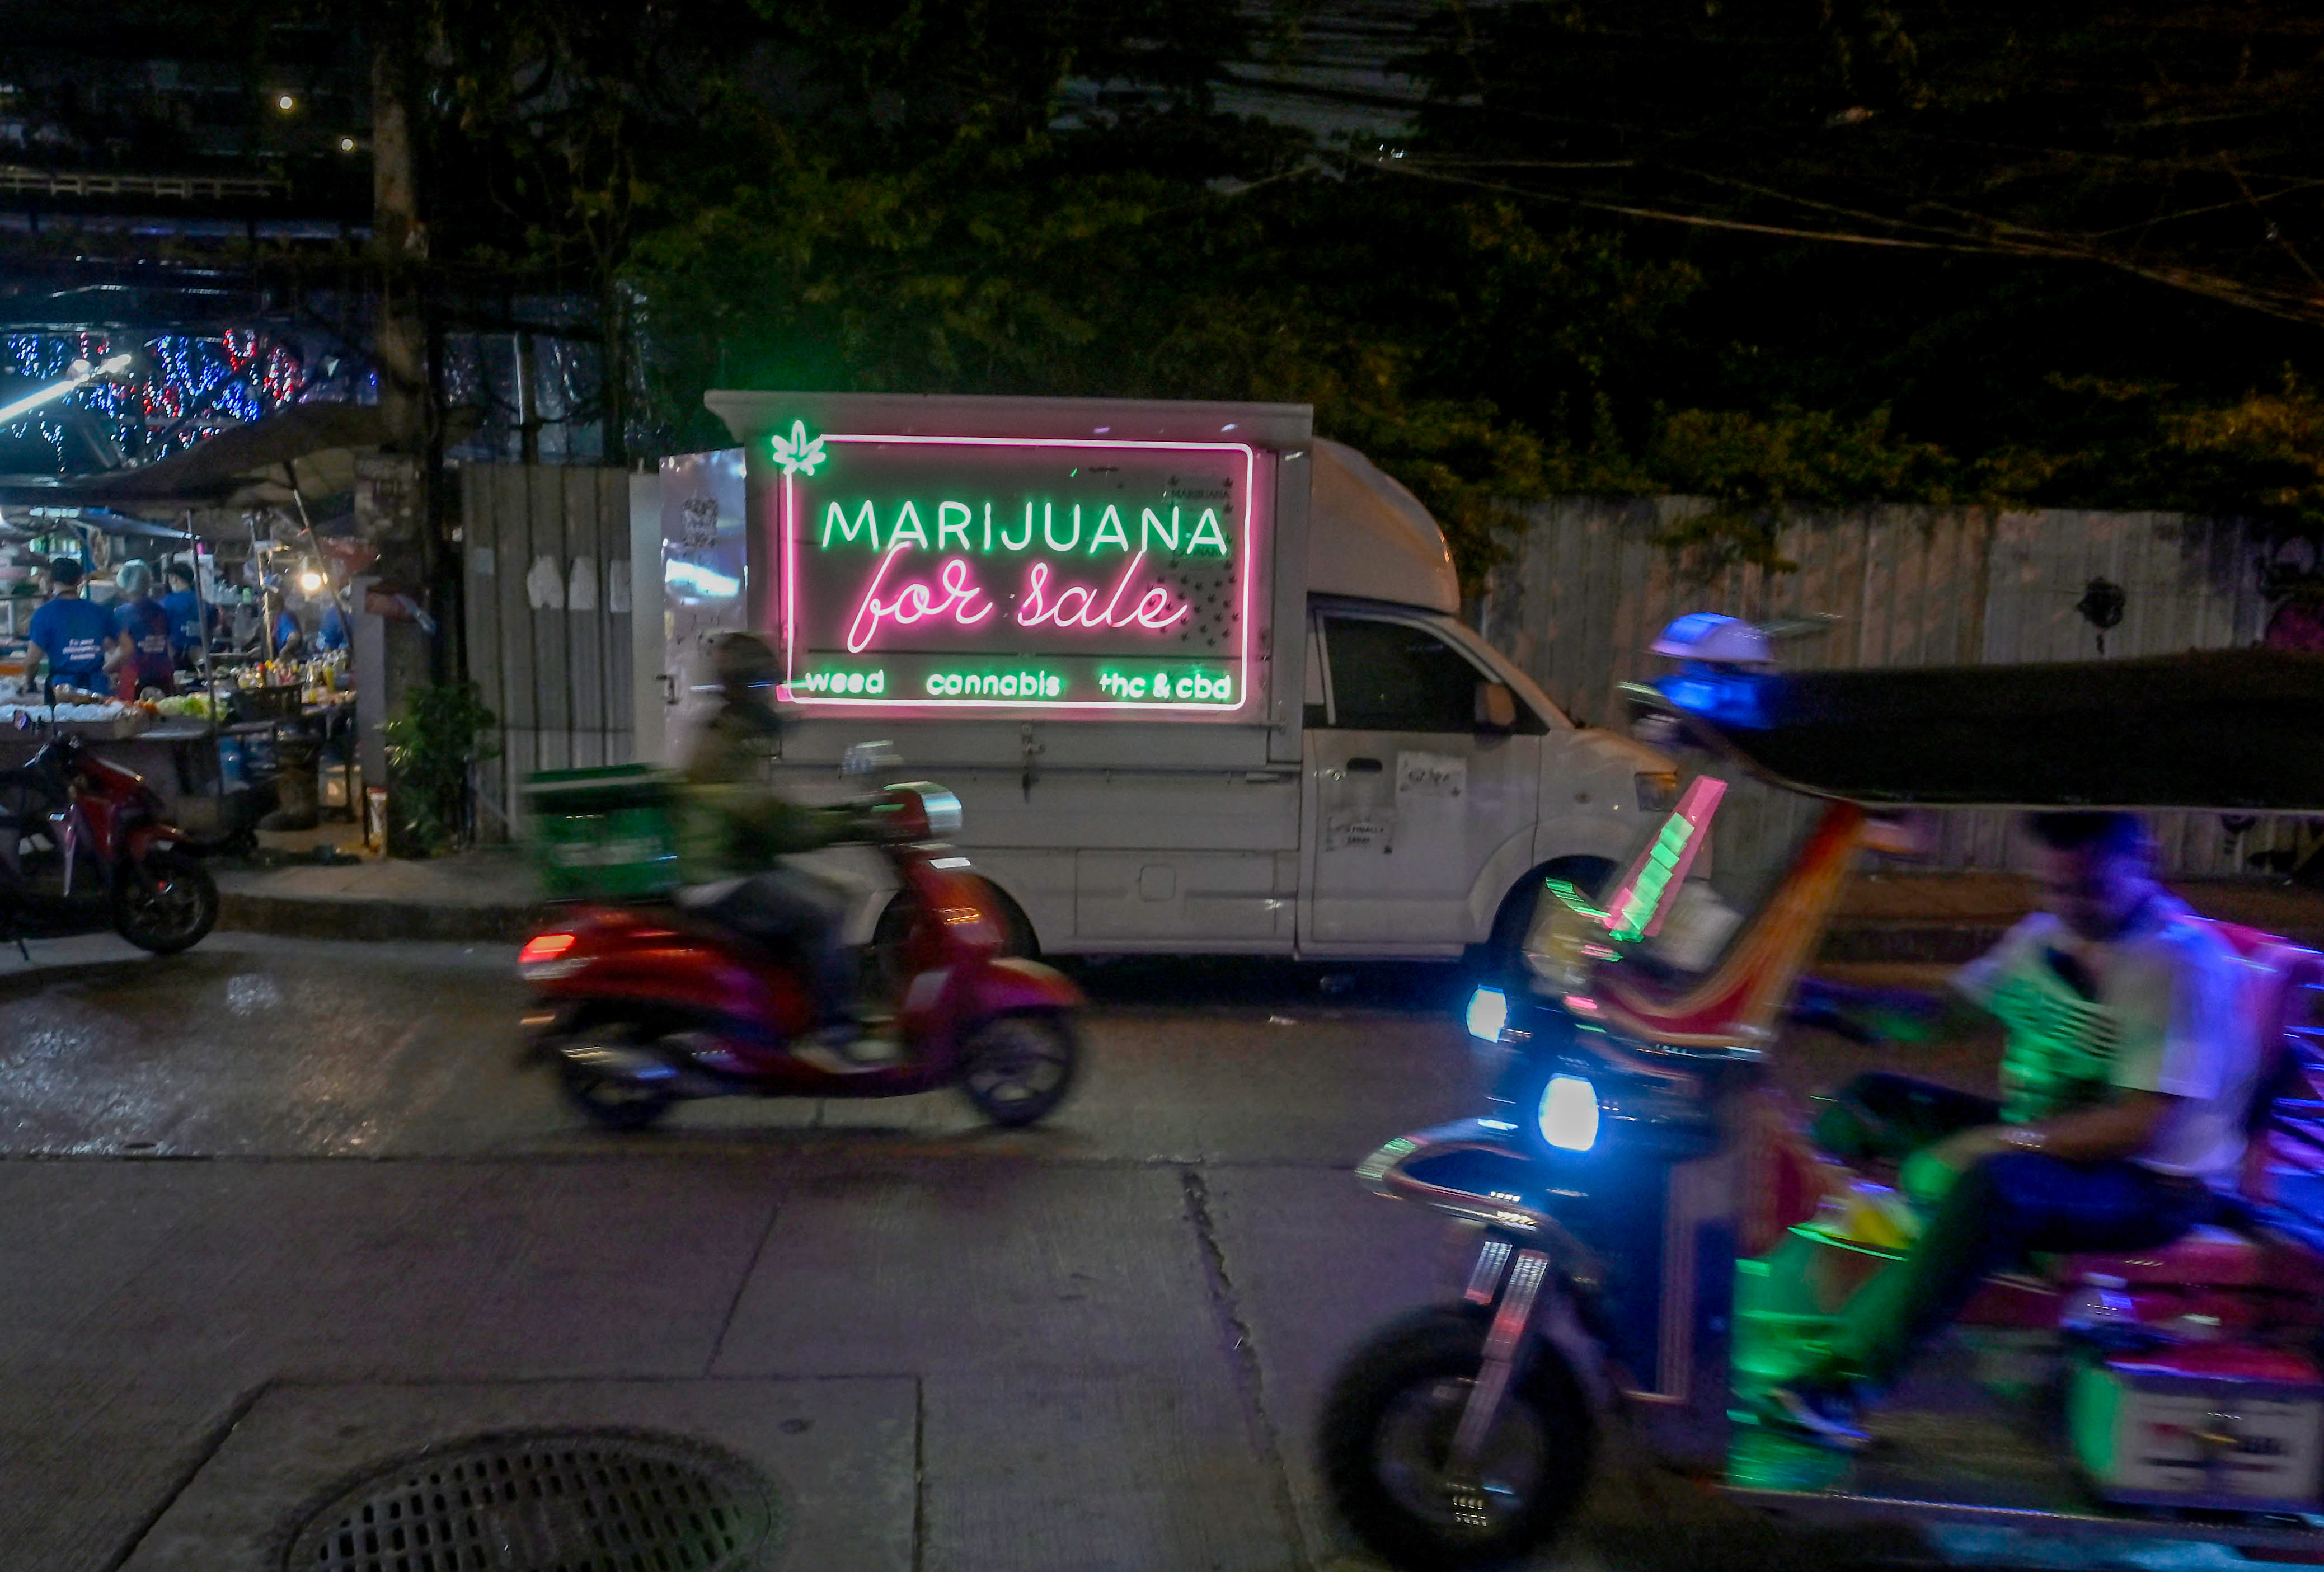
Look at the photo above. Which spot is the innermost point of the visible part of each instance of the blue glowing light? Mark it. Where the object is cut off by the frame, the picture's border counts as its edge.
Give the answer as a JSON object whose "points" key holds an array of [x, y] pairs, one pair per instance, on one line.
{"points": [[1569, 1113], [1489, 1011], [1734, 699], [705, 581]]}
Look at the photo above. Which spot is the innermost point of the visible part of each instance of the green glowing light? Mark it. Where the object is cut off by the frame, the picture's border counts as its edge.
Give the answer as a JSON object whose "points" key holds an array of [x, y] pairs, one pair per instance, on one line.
{"points": [[1062, 527], [798, 454], [1573, 901], [1018, 683], [1653, 878]]}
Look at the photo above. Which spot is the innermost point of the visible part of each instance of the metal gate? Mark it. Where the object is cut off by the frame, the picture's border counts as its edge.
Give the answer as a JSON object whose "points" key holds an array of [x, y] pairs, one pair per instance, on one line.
{"points": [[547, 565]]}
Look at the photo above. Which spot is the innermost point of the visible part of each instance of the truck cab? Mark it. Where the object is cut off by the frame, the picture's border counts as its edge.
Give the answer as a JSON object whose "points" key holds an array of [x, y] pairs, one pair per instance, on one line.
{"points": [[1197, 676]]}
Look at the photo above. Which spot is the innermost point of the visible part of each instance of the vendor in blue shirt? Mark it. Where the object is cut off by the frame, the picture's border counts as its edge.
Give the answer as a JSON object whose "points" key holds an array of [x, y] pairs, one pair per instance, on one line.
{"points": [[331, 633], [71, 634], [141, 628], [188, 615], [290, 639]]}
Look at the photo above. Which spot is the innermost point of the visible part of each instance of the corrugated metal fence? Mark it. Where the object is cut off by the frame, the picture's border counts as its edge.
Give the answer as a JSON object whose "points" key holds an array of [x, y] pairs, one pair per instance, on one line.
{"points": [[1588, 586], [547, 560]]}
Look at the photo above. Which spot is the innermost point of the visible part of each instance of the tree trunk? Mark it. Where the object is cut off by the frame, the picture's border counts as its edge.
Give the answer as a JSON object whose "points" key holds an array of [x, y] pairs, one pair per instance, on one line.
{"points": [[406, 397], [615, 360], [400, 241]]}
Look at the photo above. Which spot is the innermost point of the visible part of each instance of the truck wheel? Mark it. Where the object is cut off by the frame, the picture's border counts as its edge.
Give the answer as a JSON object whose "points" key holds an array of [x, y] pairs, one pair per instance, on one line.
{"points": [[1387, 1425], [1505, 950]]}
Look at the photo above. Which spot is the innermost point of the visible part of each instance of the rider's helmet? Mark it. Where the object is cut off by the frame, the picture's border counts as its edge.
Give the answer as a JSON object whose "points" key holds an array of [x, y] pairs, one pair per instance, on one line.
{"points": [[1718, 659], [741, 661], [1715, 640]]}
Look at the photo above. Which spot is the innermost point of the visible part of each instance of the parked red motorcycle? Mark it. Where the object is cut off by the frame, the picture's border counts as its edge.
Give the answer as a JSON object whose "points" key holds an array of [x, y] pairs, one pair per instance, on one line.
{"points": [[643, 1006], [84, 848]]}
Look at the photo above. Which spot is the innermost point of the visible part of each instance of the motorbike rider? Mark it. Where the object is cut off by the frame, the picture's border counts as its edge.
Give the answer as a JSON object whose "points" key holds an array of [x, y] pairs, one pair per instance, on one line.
{"points": [[2127, 1070], [735, 826]]}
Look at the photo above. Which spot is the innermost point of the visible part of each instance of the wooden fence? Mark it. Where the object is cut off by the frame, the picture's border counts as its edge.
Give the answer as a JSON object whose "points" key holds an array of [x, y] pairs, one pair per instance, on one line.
{"points": [[1588, 584], [1586, 587]]}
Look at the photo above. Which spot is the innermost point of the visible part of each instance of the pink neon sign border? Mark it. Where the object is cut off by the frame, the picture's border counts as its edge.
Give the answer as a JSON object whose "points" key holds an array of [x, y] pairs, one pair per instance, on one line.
{"points": [[788, 521]]}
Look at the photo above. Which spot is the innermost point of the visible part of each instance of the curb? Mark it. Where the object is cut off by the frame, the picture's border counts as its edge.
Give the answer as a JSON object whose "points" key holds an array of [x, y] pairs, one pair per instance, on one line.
{"points": [[1905, 941], [1911, 942], [1897, 941], [374, 921], [390, 921]]}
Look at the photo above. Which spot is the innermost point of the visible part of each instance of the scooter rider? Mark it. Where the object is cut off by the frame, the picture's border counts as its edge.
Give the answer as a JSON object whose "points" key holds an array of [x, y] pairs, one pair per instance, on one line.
{"points": [[735, 827], [2126, 1073]]}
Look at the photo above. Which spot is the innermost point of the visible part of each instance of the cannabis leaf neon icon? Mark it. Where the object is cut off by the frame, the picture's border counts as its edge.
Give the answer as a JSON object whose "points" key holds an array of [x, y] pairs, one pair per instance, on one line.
{"points": [[796, 453]]}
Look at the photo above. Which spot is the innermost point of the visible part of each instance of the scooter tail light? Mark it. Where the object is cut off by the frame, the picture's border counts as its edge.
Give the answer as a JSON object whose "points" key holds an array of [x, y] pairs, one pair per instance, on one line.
{"points": [[544, 959]]}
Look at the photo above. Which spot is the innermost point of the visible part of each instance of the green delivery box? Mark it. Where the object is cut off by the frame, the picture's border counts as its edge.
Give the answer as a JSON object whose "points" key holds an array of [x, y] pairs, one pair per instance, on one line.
{"points": [[606, 833]]}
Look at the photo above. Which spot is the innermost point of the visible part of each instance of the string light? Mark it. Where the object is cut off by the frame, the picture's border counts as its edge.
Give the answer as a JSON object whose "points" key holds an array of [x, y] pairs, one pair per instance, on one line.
{"points": [[238, 375]]}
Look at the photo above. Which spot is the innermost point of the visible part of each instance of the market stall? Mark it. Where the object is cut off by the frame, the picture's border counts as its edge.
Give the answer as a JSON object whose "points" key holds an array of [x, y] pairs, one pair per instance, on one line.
{"points": [[253, 530], [242, 733]]}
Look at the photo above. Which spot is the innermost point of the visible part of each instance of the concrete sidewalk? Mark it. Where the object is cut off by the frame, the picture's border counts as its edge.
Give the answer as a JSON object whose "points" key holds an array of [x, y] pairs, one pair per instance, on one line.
{"points": [[490, 895], [1956, 917]]}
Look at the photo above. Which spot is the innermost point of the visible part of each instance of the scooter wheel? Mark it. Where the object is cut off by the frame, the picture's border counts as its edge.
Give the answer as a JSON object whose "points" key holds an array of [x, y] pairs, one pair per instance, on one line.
{"points": [[1016, 1068], [610, 1104], [1388, 1427], [170, 908]]}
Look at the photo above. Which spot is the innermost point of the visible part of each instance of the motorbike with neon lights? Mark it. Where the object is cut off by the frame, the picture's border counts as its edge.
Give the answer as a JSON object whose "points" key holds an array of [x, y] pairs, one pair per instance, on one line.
{"points": [[1649, 1238], [641, 1007]]}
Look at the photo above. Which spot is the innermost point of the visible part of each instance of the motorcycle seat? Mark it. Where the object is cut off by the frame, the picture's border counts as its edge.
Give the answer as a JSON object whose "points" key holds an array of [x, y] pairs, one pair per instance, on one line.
{"points": [[2208, 1256]]}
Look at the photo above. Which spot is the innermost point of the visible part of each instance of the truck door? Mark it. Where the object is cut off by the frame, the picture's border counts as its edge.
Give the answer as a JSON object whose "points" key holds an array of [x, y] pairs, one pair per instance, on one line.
{"points": [[1410, 799]]}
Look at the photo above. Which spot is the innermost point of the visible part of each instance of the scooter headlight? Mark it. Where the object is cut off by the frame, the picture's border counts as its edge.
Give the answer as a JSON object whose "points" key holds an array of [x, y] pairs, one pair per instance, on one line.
{"points": [[1488, 1013], [1568, 1116]]}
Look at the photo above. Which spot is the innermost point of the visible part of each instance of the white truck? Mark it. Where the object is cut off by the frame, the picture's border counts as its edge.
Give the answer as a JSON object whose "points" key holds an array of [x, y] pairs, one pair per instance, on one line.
{"points": [[1196, 675]]}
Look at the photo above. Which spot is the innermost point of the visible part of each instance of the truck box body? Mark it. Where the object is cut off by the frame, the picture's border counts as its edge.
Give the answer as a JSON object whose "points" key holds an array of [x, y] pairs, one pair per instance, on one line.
{"points": [[1195, 674]]}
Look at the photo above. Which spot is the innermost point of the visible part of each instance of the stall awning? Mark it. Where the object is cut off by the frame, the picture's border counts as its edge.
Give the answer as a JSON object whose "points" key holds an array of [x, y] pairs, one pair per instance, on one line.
{"points": [[243, 466]]}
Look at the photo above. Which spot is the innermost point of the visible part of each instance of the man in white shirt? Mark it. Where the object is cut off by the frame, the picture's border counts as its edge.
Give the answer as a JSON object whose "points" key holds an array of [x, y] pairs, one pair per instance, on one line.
{"points": [[2128, 1071]]}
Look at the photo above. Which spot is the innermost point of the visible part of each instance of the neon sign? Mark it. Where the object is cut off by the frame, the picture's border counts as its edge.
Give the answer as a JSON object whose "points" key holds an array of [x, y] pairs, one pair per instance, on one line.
{"points": [[1637, 912], [1076, 575]]}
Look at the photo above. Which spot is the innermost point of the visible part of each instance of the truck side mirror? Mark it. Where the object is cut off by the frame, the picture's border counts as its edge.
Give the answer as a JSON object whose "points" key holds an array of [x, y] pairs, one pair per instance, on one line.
{"points": [[1497, 706]]}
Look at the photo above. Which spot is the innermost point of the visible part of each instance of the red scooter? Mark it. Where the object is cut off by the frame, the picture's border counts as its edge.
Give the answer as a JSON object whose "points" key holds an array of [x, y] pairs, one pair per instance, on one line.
{"points": [[84, 848], [642, 1006]]}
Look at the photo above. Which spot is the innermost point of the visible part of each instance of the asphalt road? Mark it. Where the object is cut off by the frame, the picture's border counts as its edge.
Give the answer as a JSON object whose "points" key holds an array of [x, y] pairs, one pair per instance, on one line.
{"points": [[269, 1174]]}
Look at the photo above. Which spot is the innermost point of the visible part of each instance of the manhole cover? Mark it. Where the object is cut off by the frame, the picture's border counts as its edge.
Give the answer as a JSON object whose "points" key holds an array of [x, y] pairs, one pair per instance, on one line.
{"points": [[548, 1500]]}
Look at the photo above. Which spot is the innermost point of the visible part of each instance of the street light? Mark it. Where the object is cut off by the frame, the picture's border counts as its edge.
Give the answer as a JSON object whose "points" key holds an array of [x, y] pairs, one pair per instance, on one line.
{"points": [[286, 102], [82, 374]]}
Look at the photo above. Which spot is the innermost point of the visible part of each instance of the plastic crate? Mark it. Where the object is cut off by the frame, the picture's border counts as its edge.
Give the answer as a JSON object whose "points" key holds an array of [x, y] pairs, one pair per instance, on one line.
{"points": [[248, 703], [610, 832]]}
